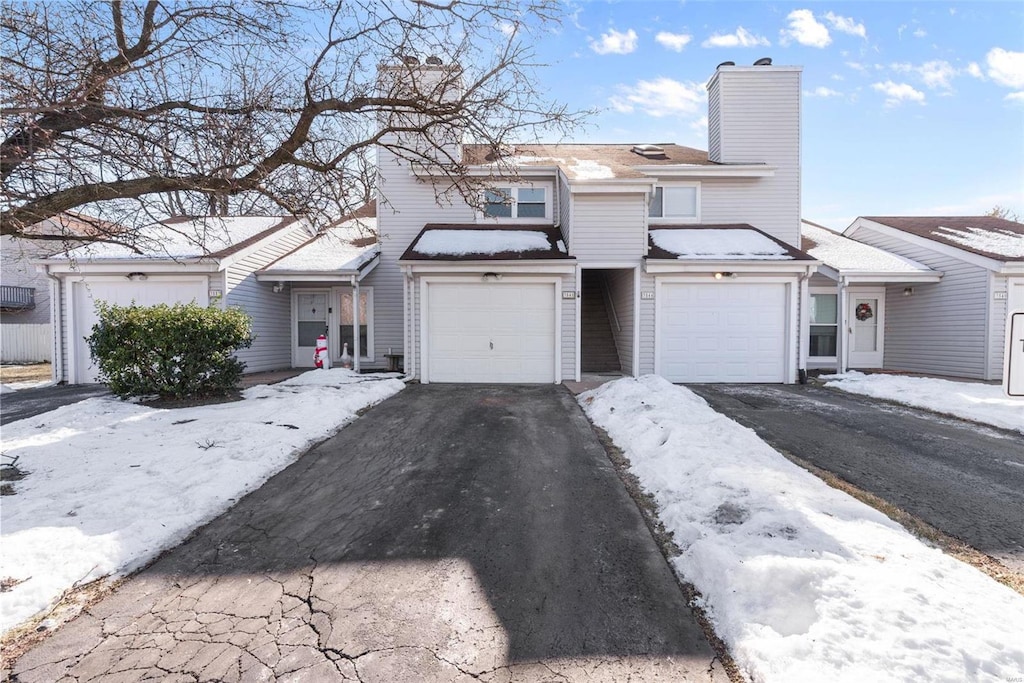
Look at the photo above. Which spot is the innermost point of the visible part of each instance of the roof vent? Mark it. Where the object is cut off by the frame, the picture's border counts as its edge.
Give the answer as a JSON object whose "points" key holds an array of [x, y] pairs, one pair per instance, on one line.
{"points": [[434, 60], [725, 64], [764, 61], [410, 60], [649, 151]]}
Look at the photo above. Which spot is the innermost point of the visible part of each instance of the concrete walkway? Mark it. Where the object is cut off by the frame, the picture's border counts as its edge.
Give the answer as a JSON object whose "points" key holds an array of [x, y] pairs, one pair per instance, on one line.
{"points": [[453, 533]]}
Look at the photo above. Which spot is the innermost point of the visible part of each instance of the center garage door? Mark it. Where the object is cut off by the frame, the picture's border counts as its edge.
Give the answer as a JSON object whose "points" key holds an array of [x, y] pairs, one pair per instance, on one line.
{"points": [[144, 293], [490, 332], [722, 332]]}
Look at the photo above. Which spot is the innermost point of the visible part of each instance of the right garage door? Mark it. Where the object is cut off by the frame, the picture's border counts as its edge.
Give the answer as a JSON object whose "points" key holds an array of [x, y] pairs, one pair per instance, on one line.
{"points": [[722, 332]]}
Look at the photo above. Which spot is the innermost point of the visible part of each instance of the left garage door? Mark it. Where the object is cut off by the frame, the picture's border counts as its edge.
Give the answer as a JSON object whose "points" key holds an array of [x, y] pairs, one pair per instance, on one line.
{"points": [[490, 332], [150, 292]]}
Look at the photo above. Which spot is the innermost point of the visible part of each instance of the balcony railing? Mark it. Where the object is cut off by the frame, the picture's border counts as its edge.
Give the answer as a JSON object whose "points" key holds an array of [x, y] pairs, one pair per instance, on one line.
{"points": [[17, 298]]}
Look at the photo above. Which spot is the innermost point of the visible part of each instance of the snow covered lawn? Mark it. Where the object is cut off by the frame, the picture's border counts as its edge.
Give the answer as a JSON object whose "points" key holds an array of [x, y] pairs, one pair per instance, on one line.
{"points": [[112, 484], [984, 403], [803, 582]]}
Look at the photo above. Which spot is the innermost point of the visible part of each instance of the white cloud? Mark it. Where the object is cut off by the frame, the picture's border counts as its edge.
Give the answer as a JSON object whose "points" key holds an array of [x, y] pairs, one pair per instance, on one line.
{"points": [[937, 74], [614, 43], [1016, 97], [742, 38], [805, 29], [846, 25], [506, 27], [898, 93], [920, 33], [837, 77], [822, 91], [857, 66], [1005, 67], [974, 70], [660, 97], [700, 125], [673, 41]]}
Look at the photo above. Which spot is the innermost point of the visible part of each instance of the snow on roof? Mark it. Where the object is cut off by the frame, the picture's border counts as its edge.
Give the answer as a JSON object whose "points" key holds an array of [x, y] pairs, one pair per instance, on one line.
{"points": [[994, 241], [345, 247], [210, 236], [723, 244], [464, 242], [845, 254]]}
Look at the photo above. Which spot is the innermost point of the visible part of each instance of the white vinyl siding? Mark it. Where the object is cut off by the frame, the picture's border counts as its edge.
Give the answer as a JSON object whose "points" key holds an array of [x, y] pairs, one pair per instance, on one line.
{"points": [[18, 271], [564, 209], [609, 228], [270, 311], [646, 314], [941, 327], [758, 121], [26, 343], [568, 326], [404, 206]]}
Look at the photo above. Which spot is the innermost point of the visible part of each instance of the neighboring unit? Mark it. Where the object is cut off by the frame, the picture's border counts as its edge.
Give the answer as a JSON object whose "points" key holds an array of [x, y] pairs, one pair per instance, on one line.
{"points": [[25, 291], [849, 299], [955, 326], [211, 261]]}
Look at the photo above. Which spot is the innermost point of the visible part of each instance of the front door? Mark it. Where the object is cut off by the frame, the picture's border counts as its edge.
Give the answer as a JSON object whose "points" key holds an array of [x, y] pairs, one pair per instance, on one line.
{"points": [[310, 322], [866, 328]]}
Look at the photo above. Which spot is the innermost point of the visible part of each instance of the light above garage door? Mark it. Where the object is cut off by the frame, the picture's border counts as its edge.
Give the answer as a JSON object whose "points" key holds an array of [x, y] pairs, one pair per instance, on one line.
{"points": [[497, 331], [722, 332]]}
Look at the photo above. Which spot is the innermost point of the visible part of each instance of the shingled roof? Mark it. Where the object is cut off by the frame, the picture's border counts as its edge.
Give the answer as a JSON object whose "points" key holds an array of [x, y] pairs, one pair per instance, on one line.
{"points": [[996, 238]]}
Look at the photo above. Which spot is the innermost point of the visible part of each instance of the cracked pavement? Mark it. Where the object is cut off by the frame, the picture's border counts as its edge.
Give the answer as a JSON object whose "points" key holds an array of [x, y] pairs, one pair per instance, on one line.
{"points": [[453, 533]]}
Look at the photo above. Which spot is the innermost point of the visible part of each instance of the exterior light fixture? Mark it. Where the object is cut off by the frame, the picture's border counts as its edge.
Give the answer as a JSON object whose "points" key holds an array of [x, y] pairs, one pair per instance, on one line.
{"points": [[491, 276], [137, 276], [720, 275], [907, 291], [278, 287]]}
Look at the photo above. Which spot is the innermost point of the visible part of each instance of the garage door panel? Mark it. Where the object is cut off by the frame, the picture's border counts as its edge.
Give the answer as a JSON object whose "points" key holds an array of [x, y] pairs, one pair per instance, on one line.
{"points": [[142, 293], [490, 332], [722, 332]]}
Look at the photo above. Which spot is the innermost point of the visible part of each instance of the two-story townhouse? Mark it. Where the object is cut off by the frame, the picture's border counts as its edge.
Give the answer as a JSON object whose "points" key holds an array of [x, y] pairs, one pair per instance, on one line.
{"points": [[582, 258]]}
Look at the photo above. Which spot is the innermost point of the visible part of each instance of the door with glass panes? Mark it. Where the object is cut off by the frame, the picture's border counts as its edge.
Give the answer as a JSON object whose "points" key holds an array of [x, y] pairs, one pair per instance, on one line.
{"points": [[310, 318]]}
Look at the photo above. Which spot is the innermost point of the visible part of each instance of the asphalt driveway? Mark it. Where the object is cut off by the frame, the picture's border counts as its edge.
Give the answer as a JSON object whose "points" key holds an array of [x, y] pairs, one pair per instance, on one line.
{"points": [[962, 478], [17, 405], [451, 533]]}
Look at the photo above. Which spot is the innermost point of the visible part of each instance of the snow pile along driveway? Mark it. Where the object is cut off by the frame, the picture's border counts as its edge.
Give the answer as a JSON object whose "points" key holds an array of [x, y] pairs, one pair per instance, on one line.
{"points": [[985, 403], [112, 484], [803, 582]]}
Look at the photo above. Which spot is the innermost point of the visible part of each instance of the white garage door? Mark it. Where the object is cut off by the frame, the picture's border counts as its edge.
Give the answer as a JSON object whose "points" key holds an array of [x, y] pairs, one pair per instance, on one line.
{"points": [[722, 332], [123, 293], [490, 332]]}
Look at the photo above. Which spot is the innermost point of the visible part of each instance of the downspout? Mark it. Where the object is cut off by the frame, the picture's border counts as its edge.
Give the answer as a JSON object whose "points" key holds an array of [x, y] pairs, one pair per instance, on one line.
{"points": [[356, 351], [805, 325], [57, 343], [843, 335], [409, 344]]}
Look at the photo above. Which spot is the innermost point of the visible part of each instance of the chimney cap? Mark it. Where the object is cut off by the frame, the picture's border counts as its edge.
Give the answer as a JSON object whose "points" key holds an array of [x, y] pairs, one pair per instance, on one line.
{"points": [[764, 61], [434, 60], [725, 64]]}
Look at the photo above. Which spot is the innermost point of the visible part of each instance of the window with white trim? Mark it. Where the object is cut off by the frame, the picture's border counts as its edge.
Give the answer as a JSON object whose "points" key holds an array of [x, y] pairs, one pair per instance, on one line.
{"points": [[346, 331], [675, 202], [824, 325], [523, 203]]}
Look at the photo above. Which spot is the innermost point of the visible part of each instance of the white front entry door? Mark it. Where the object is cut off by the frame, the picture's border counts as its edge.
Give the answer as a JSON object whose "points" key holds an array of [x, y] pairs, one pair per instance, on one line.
{"points": [[150, 292], [722, 332], [866, 328], [310, 310], [490, 332]]}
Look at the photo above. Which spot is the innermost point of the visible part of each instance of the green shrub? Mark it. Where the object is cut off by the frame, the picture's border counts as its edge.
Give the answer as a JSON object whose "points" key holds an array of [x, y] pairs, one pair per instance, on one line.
{"points": [[172, 351]]}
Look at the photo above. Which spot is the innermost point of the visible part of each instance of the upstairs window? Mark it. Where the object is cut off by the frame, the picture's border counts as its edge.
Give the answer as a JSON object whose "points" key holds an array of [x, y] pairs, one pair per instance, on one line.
{"points": [[676, 202], [522, 203]]}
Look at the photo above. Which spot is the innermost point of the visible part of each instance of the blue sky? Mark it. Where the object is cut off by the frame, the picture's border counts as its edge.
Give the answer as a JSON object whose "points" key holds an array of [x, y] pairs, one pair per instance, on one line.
{"points": [[908, 108]]}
